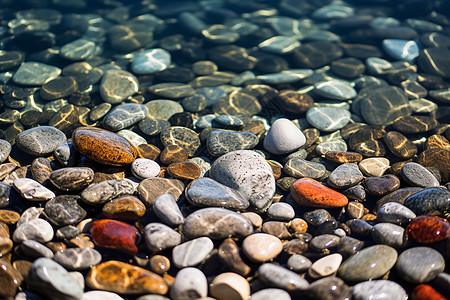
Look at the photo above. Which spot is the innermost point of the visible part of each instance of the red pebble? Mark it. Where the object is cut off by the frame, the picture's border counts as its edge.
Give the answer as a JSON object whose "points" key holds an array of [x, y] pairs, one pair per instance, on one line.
{"points": [[428, 229], [426, 292], [114, 234], [308, 192]]}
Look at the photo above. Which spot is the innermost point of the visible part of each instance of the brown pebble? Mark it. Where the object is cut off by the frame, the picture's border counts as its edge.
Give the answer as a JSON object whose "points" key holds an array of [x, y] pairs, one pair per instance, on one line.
{"points": [[276, 168], [400, 145], [438, 158], [398, 196], [437, 141], [298, 225], [9, 217], [383, 185], [285, 183], [295, 246], [369, 217], [151, 188], [355, 210], [6, 245], [159, 264], [4, 230], [41, 168], [22, 266], [415, 124], [230, 286], [229, 254], [294, 102], [10, 279], [173, 154], [81, 241], [106, 174], [343, 157], [148, 151], [277, 229], [56, 246], [261, 247], [311, 135], [125, 208], [184, 170], [254, 218], [254, 126]]}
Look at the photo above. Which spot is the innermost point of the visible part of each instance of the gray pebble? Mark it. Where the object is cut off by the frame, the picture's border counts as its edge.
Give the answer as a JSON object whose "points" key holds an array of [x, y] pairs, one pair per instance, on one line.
{"points": [[27, 295], [72, 178], [35, 73], [190, 283], [105, 191], [64, 210], [159, 237], [167, 210], [5, 150], [281, 211], [35, 249], [5, 191], [378, 289], [349, 246], [104, 295], [328, 118], [36, 229], [66, 154], [67, 232], [324, 241], [151, 61], [283, 137], [271, 293], [396, 213], [345, 176], [40, 141], [32, 190], [192, 252], [30, 214], [298, 263], [335, 89], [280, 277], [300, 168], [116, 85], [78, 258], [124, 115], [415, 174], [221, 141], [336, 145], [389, 234], [143, 168]]}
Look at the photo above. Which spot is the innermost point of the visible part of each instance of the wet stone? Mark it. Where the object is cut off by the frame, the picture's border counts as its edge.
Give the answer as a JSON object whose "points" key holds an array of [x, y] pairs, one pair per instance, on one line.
{"points": [[349, 246], [123, 278], [317, 217], [32, 190], [434, 60], [99, 111], [230, 285], [235, 168], [232, 57], [403, 50], [67, 232], [437, 141], [159, 264], [143, 168], [125, 115], [176, 74], [5, 150], [428, 229], [229, 120], [395, 213], [221, 142], [30, 214], [125, 208], [40, 141], [438, 158], [328, 118], [431, 201], [419, 264], [105, 191], [71, 179], [52, 280], [59, 87], [151, 61], [229, 253], [335, 89], [181, 136], [35, 73], [10, 59], [148, 151], [369, 263], [189, 283], [151, 126], [192, 252], [171, 90], [294, 102], [116, 85], [345, 176], [216, 223], [283, 137], [299, 168], [316, 54], [311, 193], [359, 227], [36, 229], [277, 229], [206, 192], [389, 234], [356, 192], [382, 289], [348, 67], [184, 170], [64, 210], [159, 237], [381, 185], [5, 191], [115, 235], [78, 258], [298, 263], [280, 277], [35, 249], [167, 210], [338, 145], [400, 145], [281, 211], [65, 154], [271, 293], [103, 146], [374, 166], [151, 188], [323, 242], [417, 175], [415, 124]]}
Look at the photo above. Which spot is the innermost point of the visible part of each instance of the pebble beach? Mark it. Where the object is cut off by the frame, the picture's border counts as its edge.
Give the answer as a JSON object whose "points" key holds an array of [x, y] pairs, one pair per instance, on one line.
{"points": [[224, 149]]}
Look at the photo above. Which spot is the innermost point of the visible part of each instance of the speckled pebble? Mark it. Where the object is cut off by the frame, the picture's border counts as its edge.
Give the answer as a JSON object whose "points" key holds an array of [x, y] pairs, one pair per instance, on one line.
{"points": [[40, 141], [143, 168], [378, 289], [417, 175], [281, 211]]}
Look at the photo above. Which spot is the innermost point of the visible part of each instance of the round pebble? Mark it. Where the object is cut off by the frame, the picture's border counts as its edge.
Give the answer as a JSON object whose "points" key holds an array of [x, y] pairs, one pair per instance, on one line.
{"points": [[283, 137], [143, 168]]}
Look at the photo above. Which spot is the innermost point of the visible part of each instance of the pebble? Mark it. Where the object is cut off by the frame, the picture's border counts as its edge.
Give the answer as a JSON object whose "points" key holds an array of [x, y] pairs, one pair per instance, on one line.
{"points": [[206, 192], [35, 73], [230, 255], [283, 137], [389, 234], [311, 193], [383, 185], [323, 242], [221, 142], [369, 263], [32, 190], [328, 288], [431, 201], [151, 61], [163, 109], [181, 136], [261, 247], [335, 90], [40, 141], [428, 229], [125, 208], [400, 145], [117, 85], [216, 223], [190, 283], [5, 150], [66, 154], [159, 237], [419, 264], [338, 145], [239, 168], [396, 213], [72, 179], [167, 210], [102, 192], [51, 280], [374, 166], [298, 263], [114, 234], [191, 253], [381, 289], [59, 87], [129, 279], [349, 246], [299, 168], [64, 210], [151, 188], [271, 293], [295, 102], [103, 146], [143, 168], [93, 295], [124, 115], [405, 50], [184, 170], [425, 291], [345, 176], [325, 266], [173, 154], [417, 175], [328, 118], [281, 211], [78, 258], [35, 249], [280, 277], [230, 286]]}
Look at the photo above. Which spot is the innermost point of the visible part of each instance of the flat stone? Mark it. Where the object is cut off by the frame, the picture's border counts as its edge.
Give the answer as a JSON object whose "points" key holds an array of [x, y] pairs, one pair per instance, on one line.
{"points": [[328, 118], [181, 136], [189, 283], [11, 59], [132, 137], [35, 249], [438, 158], [299, 168], [237, 168], [29, 214], [395, 213], [338, 145], [171, 90], [206, 192], [431, 201], [32, 190], [66, 154], [369, 263], [143, 168], [123, 278], [293, 101], [117, 85], [316, 54], [78, 258], [93, 295], [349, 246], [5, 149], [103, 146], [279, 277], [151, 61], [151, 126], [115, 235], [283, 137], [151, 188], [417, 175], [298, 263], [67, 232], [325, 266], [59, 87], [159, 237], [105, 191], [345, 176], [348, 67], [382, 289], [311, 193], [329, 287], [184, 170], [64, 210], [167, 210], [323, 242], [72, 179], [40, 141], [281, 211], [221, 142], [173, 154], [435, 61], [335, 89], [125, 208], [80, 49], [389, 234], [382, 185], [216, 223], [374, 166], [192, 252], [52, 280], [419, 264], [230, 255], [400, 145], [271, 293], [232, 57], [237, 102], [230, 285], [405, 50], [261, 247], [415, 124], [124, 115], [148, 151], [35, 73]]}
